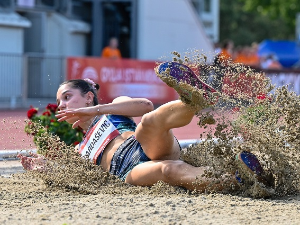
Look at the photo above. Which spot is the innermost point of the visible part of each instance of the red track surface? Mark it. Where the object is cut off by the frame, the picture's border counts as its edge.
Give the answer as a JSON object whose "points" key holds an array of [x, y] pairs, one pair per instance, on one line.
{"points": [[13, 137]]}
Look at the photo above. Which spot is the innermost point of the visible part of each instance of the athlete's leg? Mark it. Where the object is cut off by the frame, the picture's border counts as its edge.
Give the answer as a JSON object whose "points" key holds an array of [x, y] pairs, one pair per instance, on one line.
{"points": [[154, 131], [177, 173], [155, 135]]}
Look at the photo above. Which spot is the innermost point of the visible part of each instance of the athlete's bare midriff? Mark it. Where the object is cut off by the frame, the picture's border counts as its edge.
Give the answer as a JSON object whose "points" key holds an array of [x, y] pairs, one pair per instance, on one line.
{"points": [[111, 148]]}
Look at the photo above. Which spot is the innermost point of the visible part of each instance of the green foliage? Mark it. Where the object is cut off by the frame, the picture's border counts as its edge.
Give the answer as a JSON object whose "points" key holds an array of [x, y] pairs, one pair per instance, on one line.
{"points": [[45, 124], [247, 21], [287, 10]]}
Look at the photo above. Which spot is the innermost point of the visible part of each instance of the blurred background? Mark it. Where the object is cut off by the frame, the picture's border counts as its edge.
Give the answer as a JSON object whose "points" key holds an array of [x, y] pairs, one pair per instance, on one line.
{"points": [[44, 42]]}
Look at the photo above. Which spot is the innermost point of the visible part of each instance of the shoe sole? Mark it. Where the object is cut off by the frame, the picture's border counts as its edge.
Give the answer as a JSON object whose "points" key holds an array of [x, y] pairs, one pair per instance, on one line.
{"points": [[259, 189], [258, 170], [190, 88], [245, 170]]}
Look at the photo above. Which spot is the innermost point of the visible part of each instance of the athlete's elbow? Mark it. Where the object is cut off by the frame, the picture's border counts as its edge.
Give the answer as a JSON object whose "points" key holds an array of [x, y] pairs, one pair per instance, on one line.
{"points": [[148, 105]]}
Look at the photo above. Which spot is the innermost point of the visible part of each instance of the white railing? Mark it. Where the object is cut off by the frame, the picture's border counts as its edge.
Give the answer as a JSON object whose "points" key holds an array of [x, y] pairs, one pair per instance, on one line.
{"points": [[29, 76]]}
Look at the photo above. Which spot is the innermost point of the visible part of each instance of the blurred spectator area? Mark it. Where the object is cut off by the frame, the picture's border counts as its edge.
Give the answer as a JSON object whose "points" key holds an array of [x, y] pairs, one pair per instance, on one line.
{"points": [[286, 52], [37, 37], [32, 79]]}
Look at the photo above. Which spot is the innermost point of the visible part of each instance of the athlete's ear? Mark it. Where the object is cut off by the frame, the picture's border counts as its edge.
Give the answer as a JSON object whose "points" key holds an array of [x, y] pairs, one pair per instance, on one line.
{"points": [[90, 96]]}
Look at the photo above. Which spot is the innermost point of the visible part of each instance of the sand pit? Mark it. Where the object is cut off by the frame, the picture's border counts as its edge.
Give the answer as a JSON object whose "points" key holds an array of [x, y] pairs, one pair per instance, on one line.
{"points": [[24, 201]]}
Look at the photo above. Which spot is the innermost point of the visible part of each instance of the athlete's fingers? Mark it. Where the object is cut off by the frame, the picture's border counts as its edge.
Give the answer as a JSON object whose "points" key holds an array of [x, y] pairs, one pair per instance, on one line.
{"points": [[26, 162], [60, 112], [66, 112], [76, 124], [62, 118], [34, 154]]}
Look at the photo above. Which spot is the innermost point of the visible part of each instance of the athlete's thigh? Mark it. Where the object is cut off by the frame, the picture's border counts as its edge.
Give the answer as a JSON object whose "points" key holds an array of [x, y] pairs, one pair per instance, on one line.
{"points": [[145, 174], [157, 142]]}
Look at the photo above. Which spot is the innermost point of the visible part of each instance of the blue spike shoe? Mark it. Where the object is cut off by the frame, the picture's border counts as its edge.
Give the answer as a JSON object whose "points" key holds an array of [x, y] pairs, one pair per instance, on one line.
{"points": [[190, 88], [249, 162], [249, 165]]}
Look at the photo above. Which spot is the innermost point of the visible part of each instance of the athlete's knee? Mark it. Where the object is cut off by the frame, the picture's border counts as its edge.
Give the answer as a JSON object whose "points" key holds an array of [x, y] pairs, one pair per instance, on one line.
{"points": [[170, 169], [149, 120]]}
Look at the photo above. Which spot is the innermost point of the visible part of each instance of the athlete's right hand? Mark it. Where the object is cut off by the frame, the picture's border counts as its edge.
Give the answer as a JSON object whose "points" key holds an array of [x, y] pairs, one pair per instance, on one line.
{"points": [[35, 162]]}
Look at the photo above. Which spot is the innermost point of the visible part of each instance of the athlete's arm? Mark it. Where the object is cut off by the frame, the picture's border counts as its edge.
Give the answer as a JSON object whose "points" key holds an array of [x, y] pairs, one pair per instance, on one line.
{"points": [[124, 106]]}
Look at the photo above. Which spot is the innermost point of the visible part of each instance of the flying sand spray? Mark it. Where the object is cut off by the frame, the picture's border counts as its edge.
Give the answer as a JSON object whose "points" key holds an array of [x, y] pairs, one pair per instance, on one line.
{"points": [[267, 126]]}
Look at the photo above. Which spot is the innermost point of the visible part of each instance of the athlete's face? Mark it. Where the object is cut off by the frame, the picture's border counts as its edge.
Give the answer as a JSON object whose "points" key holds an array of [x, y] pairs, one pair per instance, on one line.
{"points": [[70, 98]]}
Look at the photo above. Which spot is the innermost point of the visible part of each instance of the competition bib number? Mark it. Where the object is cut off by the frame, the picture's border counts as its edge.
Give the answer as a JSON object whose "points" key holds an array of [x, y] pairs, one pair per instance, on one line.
{"points": [[97, 139]]}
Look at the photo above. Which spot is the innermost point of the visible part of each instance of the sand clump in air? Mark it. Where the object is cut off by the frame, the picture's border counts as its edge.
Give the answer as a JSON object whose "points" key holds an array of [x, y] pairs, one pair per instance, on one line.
{"points": [[265, 124]]}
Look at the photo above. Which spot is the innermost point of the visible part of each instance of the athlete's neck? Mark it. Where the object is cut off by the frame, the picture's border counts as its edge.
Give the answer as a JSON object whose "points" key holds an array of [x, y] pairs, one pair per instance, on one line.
{"points": [[86, 125]]}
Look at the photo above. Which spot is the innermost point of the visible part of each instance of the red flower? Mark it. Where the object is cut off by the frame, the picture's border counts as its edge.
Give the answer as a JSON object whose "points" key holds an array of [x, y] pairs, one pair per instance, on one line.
{"points": [[31, 112], [76, 143], [46, 113], [235, 109], [261, 96], [52, 120], [52, 107]]}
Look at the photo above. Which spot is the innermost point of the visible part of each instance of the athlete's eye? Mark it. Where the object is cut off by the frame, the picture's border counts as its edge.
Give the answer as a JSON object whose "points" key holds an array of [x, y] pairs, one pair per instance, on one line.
{"points": [[67, 97]]}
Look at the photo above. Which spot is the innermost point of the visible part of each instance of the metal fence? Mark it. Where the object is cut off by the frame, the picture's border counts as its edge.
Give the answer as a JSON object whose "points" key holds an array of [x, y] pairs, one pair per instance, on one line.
{"points": [[29, 77]]}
